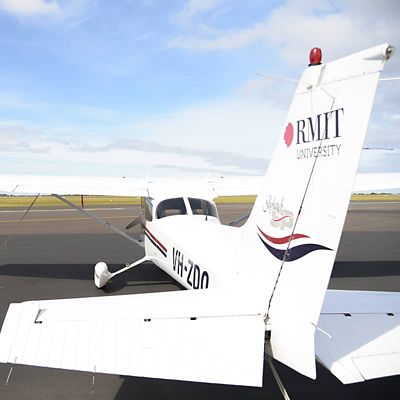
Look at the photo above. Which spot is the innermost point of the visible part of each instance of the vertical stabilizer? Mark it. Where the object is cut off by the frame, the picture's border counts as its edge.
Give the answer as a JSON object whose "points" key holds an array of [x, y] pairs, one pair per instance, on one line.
{"points": [[293, 232]]}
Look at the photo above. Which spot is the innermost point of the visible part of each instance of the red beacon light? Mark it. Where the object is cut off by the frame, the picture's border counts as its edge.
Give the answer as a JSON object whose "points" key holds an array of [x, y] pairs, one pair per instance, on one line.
{"points": [[315, 56]]}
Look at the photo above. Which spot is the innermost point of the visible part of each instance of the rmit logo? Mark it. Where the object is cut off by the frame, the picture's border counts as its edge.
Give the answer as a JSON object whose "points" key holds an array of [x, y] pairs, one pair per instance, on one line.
{"points": [[323, 126]]}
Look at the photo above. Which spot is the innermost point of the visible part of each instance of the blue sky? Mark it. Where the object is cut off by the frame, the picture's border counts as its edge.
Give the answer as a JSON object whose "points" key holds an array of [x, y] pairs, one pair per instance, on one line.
{"points": [[170, 87]]}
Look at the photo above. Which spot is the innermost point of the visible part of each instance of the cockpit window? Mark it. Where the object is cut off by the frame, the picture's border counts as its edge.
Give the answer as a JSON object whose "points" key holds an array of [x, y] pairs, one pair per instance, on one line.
{"points": [[171, 207], [202, 207]]}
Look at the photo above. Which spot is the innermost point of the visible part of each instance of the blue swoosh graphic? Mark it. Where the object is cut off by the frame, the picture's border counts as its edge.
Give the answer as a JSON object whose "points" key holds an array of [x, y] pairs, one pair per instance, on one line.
{"points": [[294, 253]]}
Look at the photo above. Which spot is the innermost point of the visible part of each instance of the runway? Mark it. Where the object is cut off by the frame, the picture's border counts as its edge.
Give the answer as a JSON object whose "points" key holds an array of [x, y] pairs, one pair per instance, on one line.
{"points": [[51, 254]]}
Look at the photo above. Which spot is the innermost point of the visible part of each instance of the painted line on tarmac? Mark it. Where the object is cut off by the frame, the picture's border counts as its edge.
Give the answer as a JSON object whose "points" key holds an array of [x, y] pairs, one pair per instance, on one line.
{"points": [[66, 209], [66, 219]]}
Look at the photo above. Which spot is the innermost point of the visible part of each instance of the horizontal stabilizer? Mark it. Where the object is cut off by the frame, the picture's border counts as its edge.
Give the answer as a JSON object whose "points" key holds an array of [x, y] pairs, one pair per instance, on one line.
{"points": [[167, 335], [360, 341]]}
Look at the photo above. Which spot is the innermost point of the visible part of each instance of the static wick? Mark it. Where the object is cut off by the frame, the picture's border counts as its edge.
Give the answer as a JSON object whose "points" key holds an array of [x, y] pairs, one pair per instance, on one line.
{"points": [[93, 380], [322, 331], [395, 78], [10, 372]]}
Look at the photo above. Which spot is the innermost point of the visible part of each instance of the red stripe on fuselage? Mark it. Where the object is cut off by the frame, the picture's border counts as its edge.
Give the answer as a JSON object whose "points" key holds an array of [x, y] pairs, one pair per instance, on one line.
{"points": [[282, 240], [155, 239]]}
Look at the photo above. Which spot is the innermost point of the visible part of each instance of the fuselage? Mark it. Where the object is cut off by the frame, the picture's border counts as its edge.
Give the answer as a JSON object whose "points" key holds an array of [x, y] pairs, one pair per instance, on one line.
{"points": [[191, 245]]}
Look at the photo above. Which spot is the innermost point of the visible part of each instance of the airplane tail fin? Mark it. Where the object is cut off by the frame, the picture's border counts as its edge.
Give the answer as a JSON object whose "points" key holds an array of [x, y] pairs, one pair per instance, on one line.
{"points": [[294, 229]]}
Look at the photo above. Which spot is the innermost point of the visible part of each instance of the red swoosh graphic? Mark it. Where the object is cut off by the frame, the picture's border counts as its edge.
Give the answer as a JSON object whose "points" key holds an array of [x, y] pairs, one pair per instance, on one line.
{"points": [[280, 219], [282, 240]]}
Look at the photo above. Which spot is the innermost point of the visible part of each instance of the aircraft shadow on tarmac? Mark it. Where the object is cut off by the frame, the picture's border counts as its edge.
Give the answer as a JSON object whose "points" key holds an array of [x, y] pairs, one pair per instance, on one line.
{"points": [[143, 275], [354, 269], [148, 273], [299, 387]]}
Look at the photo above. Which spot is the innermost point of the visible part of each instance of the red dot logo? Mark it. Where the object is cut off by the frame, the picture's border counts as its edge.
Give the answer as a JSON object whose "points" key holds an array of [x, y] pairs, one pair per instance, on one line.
{"points": [[288, 136]]}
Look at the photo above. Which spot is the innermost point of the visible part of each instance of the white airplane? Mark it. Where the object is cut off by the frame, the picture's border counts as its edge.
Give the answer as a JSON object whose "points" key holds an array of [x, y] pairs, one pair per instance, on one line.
{"points": [[264, 284]]}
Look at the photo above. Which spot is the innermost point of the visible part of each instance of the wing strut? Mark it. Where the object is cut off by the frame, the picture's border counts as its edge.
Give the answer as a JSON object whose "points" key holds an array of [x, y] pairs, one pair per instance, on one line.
{"points": [[239, 220], [105, 223], [16, 226], [278, 379]]}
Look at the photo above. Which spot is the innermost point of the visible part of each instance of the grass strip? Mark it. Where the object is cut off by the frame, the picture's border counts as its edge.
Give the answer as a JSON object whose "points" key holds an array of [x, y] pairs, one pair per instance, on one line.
{"points": [[50, 201], [235, 199], [375, 197]]}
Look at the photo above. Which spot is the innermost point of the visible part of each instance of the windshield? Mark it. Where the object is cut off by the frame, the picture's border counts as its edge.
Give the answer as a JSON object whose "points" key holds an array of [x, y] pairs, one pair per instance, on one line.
{"points": [[202, 207], [171, 207]]}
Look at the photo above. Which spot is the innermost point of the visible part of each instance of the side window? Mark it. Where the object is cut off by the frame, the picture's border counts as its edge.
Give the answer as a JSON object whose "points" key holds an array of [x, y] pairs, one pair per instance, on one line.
{"points": [[171, 207], [202, 207]]}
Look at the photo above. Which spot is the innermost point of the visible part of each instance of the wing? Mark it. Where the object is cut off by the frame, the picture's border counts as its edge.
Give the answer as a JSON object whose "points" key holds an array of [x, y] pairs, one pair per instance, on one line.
{"points": [[72, 185], [251, 185], [203, 336], [376, 182], [358, 334], [211, 187], [107, 186]]}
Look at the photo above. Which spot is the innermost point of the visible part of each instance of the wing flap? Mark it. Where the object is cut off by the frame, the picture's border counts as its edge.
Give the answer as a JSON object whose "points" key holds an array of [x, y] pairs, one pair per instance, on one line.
{"points": [[362, 341], [205, 347]]}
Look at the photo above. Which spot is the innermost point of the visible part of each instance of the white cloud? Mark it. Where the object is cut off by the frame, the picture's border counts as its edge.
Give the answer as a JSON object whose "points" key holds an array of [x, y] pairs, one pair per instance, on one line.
{"points": [[13, 101], [115, 159], [73, 12], [193, 8], [17, 137], [339, 27], [234, 136], [296, 27], [30, 7], [245, 126], [224, 41], [249, 122]]}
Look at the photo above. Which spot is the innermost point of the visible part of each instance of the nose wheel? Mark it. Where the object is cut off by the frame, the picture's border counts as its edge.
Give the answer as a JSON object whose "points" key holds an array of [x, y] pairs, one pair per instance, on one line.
{"points": [[102, 275]]}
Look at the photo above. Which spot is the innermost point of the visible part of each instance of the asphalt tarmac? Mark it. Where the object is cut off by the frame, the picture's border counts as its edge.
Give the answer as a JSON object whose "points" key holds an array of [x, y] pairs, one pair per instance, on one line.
{"points": [[51, 255]]}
